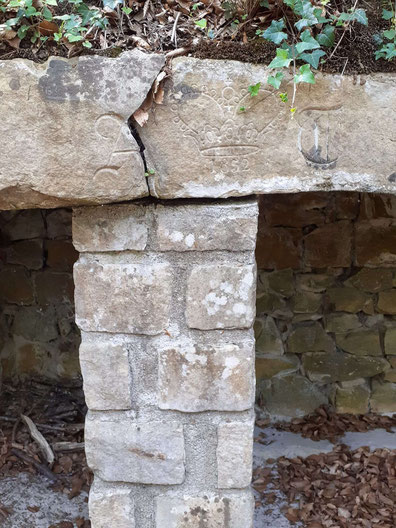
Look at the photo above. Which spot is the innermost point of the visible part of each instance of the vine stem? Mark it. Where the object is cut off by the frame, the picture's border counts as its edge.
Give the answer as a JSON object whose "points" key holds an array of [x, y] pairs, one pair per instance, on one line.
{"points": [[343, 35]]}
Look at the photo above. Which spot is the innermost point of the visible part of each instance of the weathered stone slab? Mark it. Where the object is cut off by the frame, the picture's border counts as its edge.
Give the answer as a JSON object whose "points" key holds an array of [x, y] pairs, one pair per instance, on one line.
{"points": [[211, 511], [111, 228], [121, 450], [71, 117], [309, 337], [361, 342], [234, 455], [271, 365], [213, 148], [129, 298], [268, 337], [221, 296], [206, 378], [230, 227], [107, 377], [353, 397], [329, 246], [383, 397], [111, 507]]}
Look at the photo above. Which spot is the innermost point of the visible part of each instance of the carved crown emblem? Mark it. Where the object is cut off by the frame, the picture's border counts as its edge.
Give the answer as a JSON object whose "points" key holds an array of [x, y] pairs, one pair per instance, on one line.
{"points": [[234, 122]]}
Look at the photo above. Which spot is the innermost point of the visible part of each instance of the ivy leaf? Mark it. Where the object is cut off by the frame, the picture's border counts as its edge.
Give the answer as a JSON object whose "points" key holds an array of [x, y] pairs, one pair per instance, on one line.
{"points": [[313, 58], [305, 75], [390, 34], [22, 31], [201, 23], [254, 89], [282, 59], [264, 3], [387, 15], [47, 13], [327, 37], [51, 2], [274, 33], [360, 16], [112, 4], [276, 80], [307, 42]]}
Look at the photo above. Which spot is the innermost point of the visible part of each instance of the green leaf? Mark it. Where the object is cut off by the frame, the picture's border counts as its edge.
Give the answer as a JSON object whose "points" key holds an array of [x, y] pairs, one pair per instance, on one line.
{"points": [[313, 58], [307, 42], [360, 16], [87, 44], [57, 36], [281, 60], [387, 15], [127, 10], [390, 34], [276, 80], [254, 89], [201, 23], [305, 75], [274, 33], [327, 37], [71, 37], [22, 31], [51, 2], [47, 13], [264, 3]]}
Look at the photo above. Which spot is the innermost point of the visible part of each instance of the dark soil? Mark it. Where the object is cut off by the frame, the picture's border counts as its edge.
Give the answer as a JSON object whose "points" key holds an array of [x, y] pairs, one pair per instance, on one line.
{"points": [[151, 23]]}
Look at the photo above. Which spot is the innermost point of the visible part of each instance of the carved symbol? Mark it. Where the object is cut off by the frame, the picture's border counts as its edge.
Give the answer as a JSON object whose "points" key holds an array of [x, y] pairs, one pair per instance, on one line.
{"points": [[228, 134]]}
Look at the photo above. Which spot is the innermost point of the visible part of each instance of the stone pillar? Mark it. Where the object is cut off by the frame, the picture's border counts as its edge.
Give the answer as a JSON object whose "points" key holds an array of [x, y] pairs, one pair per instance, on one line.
{"points": [[165, 300]]}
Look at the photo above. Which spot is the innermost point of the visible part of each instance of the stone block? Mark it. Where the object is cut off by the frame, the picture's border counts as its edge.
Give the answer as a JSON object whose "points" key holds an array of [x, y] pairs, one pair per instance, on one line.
{"points": [[375, 245], [373, 206], [294, 210], [16, 287], [229, 226], [292, 396], [35, 323], [53, 287], [111, 228], [81, 150], [339, 323], [195, 378], [122, 450], [306, 302], [281, 282], [279, 248], [353, 397], [390, 341], [221, 296], [315, 282], [274, 304], [346, 205], [329, 246], [387, 302], [234, 455], [392, 361], [59, 223], [309, 337], [390, 375], [27, 253], [269, 366], [338, 366], [23, 225], [126, 298], [268, 337], [361, 342], [107, 376], [371, 280], [209, 511], [110, 507], [383, 397], [349, 300], [61, 255]]}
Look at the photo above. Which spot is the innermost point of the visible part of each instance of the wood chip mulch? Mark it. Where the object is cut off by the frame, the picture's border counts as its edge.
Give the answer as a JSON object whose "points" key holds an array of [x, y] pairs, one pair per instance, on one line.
{"points": [[325, 424], [58, 412], [354, 489]]}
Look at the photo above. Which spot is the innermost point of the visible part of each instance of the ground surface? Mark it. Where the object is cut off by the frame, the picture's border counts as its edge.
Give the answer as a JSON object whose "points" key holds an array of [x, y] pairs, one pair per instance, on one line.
{"points": [[230, 33]]}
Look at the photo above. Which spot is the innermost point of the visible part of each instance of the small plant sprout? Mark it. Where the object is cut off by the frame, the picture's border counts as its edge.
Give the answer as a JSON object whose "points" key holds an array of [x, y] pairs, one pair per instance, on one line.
{"points": [[254, 89], [304, 39], [387, 39], [150, 172]]}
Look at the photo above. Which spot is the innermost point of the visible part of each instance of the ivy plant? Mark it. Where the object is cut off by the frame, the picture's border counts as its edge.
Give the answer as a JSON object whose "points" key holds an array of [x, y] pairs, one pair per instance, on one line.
{"points": [[387, 39], [30, 20], [304, 39]]}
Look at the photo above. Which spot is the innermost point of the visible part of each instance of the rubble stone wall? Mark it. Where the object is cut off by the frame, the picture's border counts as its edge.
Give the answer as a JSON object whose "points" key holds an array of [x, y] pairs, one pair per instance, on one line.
{"points": [[326, 303], [165, 300], [38, 334]]}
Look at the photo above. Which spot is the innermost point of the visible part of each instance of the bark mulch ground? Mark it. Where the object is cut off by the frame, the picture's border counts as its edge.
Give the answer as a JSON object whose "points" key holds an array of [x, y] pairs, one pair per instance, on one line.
{"points": [[325, 424], [57, 413]]}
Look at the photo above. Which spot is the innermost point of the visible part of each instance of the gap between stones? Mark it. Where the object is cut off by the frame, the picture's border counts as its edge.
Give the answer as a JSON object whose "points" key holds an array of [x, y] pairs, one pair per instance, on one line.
{"points": [[135, 133]]}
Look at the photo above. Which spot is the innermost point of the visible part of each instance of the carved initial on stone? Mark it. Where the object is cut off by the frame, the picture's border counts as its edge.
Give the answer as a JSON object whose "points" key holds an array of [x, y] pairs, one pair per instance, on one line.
{"points": [[113, 130]]}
